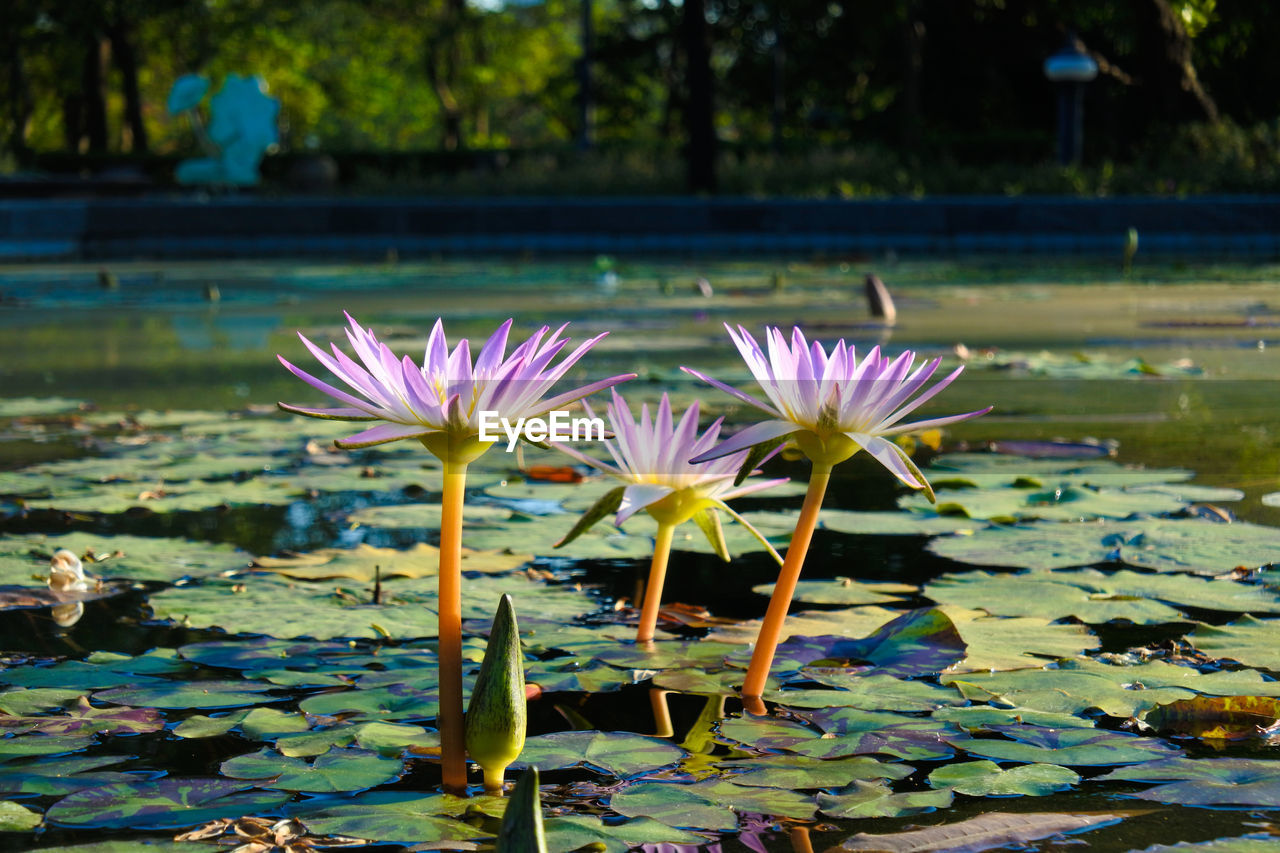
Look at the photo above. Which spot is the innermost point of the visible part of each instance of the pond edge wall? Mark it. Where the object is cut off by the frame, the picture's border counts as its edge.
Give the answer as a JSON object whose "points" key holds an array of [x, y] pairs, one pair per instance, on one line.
{"points": [[230, 226]]}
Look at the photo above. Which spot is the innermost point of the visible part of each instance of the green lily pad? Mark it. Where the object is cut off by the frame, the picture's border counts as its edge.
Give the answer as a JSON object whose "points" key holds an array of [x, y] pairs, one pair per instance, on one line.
{"points": [[1046, 597], [188, 694], [167, 469], [426, 515], [987, 779], [136, 557], [673, 805], [875, 799], [1162, 544], [81, 717], [338, 769], [707, 654], [574, 832], [161, 803], [388, 739], [998, 643], [253, 723], [1261, 843], [615, 753], [1058, 503], [888, 523], [392, 817], [1250, 641], [21, 407], [844, 591], [1207, 781], [60, 776], [1070, 747], [918, 642], [986, 470], [364, 562], [870, 692], [38, 699], [979, 717], [39, 743], [112, 498], [16, 818], [380, 703], [101, 669], [795, 772], [855, 622], [694, 680]]}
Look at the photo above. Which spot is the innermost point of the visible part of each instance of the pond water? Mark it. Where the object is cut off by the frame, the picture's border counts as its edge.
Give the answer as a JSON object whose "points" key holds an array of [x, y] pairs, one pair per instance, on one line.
{"points": [[1081, 632]]}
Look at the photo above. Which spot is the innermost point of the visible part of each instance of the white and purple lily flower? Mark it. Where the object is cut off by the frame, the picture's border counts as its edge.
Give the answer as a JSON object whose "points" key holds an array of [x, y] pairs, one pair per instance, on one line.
{"points": [[653, 456], [831, 404], [446, 393]]}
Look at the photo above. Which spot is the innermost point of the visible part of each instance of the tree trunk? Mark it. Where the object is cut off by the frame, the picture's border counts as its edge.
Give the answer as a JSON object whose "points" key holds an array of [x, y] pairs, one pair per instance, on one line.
{"points": [[1172, 70], [20, 105], [912, 67], [94, 95], [443, 61], [699, 116], [126, 59]]}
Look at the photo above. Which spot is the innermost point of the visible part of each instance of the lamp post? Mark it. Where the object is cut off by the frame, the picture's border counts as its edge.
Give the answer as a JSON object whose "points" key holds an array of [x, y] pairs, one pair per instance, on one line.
{"points": [[1069, 69]]}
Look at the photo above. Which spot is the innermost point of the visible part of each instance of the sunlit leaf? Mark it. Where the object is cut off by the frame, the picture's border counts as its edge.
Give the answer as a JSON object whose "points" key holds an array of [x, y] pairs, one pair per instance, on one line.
{"points": [[136, 557], [1207, 781], [615, 753], [187, 694], [364, 562], [338, 769], [1070, 747], [987, 779], [1044, 596], [577, 831], [393, 817], [844, 591], [997, 643], [161, 803], [984, 832], [794, 772], [875, 799]]}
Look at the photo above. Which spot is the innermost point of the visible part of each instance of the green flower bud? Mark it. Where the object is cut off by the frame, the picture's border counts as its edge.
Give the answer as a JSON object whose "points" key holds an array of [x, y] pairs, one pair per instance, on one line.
{"points": [[497, 715]]}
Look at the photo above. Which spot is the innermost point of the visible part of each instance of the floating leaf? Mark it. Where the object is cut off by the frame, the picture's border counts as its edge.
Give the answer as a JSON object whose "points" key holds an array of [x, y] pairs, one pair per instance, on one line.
{"points": [[1216, 717], [81, 717], [996, 643], [137, 557], [1207, 781], [984, 832], [336, 770], [187, 694], [794, 772], [673, 805], [1163, 544], [364, 562], [844, 591], [60, 776], [161, 803], [615, 753], [425, 515], [987, 779], [1058, 503], [1250, 641], [254, 723], [1071, 747], [849, 622], [391, 817], [875, 799], [16, 818], [380, 703], [984, 470], [870, 692], [575, 832], [1045, 597]]}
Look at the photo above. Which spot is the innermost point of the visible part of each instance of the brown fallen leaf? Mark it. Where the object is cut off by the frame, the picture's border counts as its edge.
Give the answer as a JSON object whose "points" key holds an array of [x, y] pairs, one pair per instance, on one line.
{"points": [[984, 832], [1217, 717]]}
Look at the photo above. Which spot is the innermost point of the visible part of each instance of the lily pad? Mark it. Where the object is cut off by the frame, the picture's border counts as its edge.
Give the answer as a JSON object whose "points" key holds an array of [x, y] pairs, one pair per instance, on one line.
{"points": [[253, 723], [364, 562], [161, 803], [986, 470], [1162, 544], [1046, 597], [615, 753], [870, 692], [426, 515], [136, 557], [987, 779], [188, 694], [1250, 641], [997, 643], [82, 718], [338, 769], [844, 591], [1070, 747], [1207, 781], [1059, 503], [796, 772], [575, 832], [852, 622], [875, 799], [16, 818], [985, 832]]}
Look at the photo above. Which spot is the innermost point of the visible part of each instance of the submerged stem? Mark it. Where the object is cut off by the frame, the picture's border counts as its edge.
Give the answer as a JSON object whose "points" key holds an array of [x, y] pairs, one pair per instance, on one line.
{"points": [[453, 757], [771, 629], [657, 576]]}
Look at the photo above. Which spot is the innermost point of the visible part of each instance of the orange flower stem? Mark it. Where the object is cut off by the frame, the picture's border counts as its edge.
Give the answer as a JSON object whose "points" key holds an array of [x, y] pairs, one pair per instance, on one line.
{"points": [[657, 576], [771, 630], [453, 751]]}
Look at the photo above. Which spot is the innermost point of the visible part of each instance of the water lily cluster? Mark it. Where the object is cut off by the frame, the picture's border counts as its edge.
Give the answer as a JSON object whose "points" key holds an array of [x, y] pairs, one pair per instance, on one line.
{"points": [[828, 404]]}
